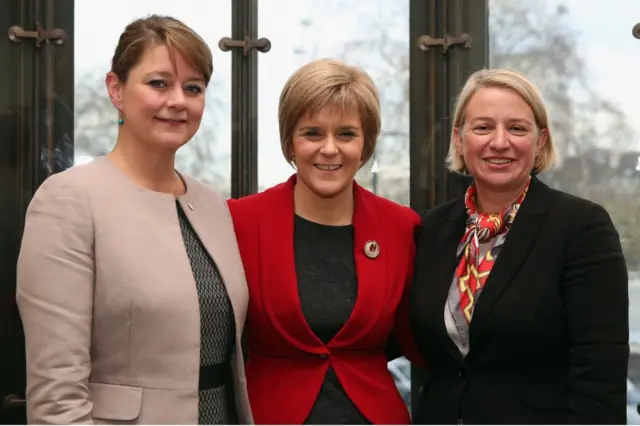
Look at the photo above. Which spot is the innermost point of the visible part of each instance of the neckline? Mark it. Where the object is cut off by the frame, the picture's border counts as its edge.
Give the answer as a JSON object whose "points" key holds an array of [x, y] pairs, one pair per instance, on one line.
{"points": [[131, 183]]}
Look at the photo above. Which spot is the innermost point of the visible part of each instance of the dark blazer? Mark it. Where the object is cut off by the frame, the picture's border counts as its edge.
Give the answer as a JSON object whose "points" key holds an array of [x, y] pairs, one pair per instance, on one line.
{"points": [[287, 363], [549, 335]]}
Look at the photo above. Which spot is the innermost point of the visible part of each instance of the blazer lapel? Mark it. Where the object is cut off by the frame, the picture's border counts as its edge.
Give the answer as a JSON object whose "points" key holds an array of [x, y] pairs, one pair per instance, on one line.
{"points": [[278, 281], [520, 240], [443, 262], [371, 273]]}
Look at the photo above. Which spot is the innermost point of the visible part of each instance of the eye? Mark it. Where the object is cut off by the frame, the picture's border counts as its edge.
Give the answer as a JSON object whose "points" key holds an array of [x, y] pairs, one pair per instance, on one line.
{"points": [[348, 134], [158, 84], [313, 133], [194, 89], [518, 130], [482, 128]]}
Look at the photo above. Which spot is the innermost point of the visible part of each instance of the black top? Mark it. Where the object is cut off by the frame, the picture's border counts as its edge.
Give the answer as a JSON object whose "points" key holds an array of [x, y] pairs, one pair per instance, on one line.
{"points": [[327, 286], [217, 332], [549, 335]]}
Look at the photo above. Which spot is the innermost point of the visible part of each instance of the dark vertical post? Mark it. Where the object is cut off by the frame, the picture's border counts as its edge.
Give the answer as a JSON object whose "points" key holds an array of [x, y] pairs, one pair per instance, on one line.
{"points": [[244, 101], [435, 79]]}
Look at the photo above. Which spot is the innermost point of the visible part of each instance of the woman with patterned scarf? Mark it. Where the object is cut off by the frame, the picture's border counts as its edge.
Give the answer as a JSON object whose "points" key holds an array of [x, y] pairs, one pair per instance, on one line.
{"points": [[520, 297]]}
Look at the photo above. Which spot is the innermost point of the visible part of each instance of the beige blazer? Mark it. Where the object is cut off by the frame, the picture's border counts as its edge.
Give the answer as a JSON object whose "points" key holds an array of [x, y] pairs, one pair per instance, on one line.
{"points": [[109, 303]]}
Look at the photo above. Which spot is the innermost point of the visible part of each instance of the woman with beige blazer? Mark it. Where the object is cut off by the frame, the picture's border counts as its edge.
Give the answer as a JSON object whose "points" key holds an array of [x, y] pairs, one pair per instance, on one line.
{"points": [[130, 285]]}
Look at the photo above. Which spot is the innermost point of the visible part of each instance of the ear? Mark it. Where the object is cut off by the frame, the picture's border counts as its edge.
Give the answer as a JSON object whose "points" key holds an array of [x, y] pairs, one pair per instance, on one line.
{"points": [[457, 140], [543, 137], [115, 89]]}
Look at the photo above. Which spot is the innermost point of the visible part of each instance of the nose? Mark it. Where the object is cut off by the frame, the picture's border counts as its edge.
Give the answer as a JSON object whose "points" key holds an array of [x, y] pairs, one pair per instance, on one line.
{"points": [[500, 140], [329, 147], [176, 97]]}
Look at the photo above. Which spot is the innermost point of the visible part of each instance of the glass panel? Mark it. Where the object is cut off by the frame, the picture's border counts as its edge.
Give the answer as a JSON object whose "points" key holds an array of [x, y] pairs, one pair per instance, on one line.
{"points": [[582, 55], [97, 27], [371, 34]]}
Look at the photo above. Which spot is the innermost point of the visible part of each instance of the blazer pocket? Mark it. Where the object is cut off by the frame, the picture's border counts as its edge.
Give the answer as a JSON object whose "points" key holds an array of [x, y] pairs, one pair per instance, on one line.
{"points": [[115, 402], [543, 395]]}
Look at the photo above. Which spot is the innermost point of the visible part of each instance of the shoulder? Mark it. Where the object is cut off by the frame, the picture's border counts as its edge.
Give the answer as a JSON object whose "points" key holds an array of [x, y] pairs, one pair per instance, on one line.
{"points": [[398, 218], [442, 211], [580, 212], [76, 183], [201, 190], [255, 202]]}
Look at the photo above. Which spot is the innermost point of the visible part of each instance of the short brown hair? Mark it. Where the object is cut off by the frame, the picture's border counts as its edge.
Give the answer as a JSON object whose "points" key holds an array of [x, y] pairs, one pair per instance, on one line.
{"points": [[329, 82], [523, 86], [160, 30]]}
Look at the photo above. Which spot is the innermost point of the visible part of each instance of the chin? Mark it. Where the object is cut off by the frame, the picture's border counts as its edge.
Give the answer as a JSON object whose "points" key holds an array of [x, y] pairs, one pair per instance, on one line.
{"points": [[496, 180], [172, 144], [328, 189]]}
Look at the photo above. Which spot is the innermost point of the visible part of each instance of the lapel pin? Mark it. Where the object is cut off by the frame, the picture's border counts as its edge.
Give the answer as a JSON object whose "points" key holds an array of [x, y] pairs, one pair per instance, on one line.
{"points": [[371, 249], [190, 206]]}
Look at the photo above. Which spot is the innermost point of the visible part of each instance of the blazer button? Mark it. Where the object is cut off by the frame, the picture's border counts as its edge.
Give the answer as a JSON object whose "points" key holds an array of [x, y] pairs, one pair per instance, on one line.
{"points": [[324, 356]]}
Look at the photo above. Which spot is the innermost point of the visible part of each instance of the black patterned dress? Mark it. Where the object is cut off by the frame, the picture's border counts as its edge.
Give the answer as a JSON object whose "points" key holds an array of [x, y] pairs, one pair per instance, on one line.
{"points": [[217, 333]]}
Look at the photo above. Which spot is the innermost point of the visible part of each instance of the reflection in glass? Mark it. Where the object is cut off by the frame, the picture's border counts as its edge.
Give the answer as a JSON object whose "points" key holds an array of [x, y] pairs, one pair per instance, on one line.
{"points": [[582, 55], [369, 34], [207, 156]]}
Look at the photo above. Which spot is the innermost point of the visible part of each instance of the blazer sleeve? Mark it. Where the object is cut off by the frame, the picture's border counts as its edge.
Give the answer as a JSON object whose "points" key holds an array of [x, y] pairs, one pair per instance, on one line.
{"points": [[403, 335], [55, 278], [596, 300]]}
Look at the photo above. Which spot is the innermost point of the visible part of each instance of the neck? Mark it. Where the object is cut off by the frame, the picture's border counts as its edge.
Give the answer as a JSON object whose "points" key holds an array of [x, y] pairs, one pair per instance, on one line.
{"points": [[152, 169], [335, 211], [492, 200]]}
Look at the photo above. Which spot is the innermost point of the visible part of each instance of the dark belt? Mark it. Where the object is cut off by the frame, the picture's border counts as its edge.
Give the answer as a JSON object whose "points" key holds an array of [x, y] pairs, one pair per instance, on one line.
{"points": [[214, 376]]}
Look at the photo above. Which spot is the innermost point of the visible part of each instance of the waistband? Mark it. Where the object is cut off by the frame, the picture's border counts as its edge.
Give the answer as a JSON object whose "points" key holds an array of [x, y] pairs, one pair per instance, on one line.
{"points": [[214, 376]]}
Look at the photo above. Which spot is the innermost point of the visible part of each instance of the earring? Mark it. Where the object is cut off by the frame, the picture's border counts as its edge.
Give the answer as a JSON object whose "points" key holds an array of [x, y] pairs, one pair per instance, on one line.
{"points": [[120, 119]]}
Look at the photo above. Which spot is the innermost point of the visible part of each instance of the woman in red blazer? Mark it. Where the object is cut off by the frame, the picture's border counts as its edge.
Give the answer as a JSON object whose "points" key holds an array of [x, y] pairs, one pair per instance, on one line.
{"points": [[327, 263]]}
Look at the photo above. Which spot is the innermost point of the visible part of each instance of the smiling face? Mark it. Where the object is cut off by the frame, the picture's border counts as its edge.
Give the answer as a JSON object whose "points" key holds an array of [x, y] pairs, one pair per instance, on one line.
{"points": [[162, 101], [327, 148], [499, 140]]}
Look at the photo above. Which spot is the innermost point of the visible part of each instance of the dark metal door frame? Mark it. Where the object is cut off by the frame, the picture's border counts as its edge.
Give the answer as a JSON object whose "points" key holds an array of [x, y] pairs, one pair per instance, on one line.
{"points": [[448, 41]]}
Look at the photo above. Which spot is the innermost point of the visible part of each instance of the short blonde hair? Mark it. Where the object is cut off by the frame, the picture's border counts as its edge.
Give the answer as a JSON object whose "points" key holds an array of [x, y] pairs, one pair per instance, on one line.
{"points": [[329, 82], [507, 79]]}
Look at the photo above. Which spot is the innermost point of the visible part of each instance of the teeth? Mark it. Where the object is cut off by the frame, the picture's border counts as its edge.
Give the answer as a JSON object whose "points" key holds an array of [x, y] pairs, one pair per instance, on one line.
{"points": [[328, 167], [498, 160]]}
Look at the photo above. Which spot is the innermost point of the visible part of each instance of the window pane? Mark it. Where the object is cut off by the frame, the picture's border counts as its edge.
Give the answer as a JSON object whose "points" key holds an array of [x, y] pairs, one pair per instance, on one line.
{"points": [[98, 25], [369, 34], [582, 55]]}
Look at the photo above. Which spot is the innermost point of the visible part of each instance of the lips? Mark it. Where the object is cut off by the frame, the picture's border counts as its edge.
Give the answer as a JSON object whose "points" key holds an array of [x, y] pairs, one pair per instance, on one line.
{"points": [[328, 167], [171, 120], [498, 161]]}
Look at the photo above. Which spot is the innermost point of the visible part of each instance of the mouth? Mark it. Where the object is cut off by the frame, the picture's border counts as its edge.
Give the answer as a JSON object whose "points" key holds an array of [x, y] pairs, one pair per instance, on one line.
{"points": [[328, 167], [498, 161], [171, 121]]}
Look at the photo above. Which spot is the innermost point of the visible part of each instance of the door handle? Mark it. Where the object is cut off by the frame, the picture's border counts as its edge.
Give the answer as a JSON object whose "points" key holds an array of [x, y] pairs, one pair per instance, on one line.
{"points": [[40, 35], [13, 401]]}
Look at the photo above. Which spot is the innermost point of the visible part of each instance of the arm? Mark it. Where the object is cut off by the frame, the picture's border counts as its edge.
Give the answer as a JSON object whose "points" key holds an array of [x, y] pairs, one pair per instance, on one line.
{"points": [[596, 300], [55, 278], [402, 340]]}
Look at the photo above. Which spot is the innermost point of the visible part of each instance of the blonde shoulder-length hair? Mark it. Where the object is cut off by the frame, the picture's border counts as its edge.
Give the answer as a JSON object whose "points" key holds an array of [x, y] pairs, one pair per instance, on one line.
{"points": [[508, 79]]}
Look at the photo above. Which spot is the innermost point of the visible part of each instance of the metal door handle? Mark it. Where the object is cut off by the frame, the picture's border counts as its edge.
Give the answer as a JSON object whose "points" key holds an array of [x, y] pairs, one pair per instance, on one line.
{"points": [[13, 401]]}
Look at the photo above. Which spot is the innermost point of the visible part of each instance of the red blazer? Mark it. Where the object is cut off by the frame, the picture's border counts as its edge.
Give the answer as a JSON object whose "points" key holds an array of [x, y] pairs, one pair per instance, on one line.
{"points": [[287, 361]]}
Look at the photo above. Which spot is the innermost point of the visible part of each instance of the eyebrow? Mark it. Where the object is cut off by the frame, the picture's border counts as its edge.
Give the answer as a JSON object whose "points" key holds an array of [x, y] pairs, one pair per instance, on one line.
{"points": [[169, 75], [349, 127], [513, 120]]}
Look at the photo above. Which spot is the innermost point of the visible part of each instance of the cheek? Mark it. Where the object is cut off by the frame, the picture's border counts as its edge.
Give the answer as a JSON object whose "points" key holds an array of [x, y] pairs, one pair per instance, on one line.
{"points": [[354, 151], [526, 149], [196, 108]]}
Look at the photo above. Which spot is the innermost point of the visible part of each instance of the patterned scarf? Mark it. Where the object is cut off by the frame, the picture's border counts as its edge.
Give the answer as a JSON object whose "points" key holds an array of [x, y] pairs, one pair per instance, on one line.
{"points": [[473, 270]]}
